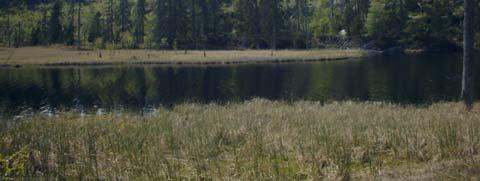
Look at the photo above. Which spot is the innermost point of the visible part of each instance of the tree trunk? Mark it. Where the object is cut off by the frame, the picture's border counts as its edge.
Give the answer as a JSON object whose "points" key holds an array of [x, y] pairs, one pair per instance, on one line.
{"points": [[8, 25], [256, 22], [468, 33], [204, 25], [8, 31], [110, 19], [306, 28], [194, 25], [79, 25], [274, 27]]}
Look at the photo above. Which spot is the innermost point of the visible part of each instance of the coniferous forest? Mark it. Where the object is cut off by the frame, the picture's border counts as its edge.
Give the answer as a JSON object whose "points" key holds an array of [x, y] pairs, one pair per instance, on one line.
{"points": [[233, 24]]}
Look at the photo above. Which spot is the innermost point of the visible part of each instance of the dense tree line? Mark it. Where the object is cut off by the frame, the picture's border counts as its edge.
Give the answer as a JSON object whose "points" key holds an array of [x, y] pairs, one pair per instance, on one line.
{"points": [[230, 24]]}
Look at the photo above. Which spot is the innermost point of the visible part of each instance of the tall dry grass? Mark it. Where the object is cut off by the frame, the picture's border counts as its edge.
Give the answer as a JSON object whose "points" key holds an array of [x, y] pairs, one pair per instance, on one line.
{"points": [[255, 140], [66, 56]]}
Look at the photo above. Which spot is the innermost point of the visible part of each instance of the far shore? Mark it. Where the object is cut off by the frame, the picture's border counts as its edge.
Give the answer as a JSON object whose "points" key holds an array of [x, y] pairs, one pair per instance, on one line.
{"points": [[58, 56]]}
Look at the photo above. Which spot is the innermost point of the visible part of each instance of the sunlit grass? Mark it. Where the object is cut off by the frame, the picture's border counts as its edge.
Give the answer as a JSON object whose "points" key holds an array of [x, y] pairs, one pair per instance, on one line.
{"points": [[255, 140], [67, 56]]}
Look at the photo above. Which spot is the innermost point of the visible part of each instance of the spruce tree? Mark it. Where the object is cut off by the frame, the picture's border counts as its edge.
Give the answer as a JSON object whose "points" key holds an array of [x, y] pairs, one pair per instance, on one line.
{"points": [[109, 35], [139, 29], [159, 26], [79, 24], [70, 29], [95, 28], [55, 27], [124, 15], [468, 54]]}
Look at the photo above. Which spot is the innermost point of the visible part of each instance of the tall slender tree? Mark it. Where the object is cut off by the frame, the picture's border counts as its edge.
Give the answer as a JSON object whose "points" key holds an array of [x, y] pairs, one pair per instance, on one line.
{"points": [[44, 30], [468, 42], [95, 28], [79, 24], [55, 26], [204, 25], [172, 23], [193, 16], [8, 24], [159, 26], [305, 27], [256, 22], [139, 29], [274, 26], [182, 24], [70, 26], [109, 35], [123, 12]]}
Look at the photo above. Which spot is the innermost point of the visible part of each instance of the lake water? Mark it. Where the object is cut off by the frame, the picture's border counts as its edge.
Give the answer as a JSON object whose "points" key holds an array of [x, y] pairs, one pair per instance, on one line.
{"points": [[419, 79]]}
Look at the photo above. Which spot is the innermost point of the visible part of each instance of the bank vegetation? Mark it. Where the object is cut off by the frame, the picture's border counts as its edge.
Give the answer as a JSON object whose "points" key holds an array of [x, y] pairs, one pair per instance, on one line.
{"points": [[253, 140]]}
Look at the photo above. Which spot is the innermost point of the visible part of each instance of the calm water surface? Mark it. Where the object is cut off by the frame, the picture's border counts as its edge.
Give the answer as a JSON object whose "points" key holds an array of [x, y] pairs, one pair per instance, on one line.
{"points": [[419, 79]]}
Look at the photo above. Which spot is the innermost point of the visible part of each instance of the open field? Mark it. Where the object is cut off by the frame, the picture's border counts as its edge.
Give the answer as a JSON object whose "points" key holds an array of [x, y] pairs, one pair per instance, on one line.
{"points": [[255, 140], [66, 56]]}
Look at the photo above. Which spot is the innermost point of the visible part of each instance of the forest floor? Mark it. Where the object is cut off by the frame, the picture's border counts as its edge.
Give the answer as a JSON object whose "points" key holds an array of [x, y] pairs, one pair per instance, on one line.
{"points": [[70, 56], [254, 140]]}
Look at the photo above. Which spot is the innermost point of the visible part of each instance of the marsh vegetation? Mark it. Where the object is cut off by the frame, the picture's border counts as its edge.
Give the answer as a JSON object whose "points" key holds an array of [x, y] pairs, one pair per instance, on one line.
{"points": [[257, 139], [68, 56]]}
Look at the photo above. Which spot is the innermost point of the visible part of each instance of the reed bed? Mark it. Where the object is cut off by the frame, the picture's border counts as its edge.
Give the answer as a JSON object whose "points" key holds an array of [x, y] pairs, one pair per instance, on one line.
{"points": [[68, 56], [254, 140]]}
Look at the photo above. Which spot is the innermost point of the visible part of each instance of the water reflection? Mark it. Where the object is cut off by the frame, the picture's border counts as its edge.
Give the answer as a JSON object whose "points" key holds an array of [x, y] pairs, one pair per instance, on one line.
{"points": [[408, 79]]}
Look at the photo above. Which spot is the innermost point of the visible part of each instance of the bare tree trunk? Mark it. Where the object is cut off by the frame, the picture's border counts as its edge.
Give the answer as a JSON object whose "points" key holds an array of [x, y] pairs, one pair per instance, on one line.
{"points": [[468, 33]]}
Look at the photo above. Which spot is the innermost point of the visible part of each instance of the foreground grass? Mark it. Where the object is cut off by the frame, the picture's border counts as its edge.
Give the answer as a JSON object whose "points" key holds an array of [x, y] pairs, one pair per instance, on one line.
{"points": [[250, 141], [65, 56]]}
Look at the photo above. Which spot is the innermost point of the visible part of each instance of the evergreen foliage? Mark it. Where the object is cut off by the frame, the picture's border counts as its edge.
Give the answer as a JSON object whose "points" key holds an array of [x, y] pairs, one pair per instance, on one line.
{"points": [[231, 24]]}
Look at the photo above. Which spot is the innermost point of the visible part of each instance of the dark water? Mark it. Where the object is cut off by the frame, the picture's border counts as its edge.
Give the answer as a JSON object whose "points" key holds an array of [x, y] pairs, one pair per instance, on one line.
{"points": [[419, 79]]}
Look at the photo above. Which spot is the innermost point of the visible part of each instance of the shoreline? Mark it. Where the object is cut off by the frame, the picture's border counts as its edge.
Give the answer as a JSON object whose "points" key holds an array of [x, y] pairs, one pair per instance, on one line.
{"points": [[41, 56], [269, 139]]}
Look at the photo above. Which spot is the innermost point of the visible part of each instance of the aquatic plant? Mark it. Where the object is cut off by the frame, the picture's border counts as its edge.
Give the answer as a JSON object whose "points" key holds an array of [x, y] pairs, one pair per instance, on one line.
{"points": [[256, 139]]}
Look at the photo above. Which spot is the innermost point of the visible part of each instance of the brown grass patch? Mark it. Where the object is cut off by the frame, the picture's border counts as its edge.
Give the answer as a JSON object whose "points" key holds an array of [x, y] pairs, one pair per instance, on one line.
{"points": [[255, 140], [66, 56]]}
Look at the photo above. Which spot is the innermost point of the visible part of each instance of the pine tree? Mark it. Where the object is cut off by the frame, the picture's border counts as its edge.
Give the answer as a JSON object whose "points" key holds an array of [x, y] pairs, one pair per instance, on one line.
{"points": [[274, 27], [159, 22], [194, 30], [54, 26], [385, 21], [182, 24], [171, 23], [109, 35], [123, 15], [70, 29], [139, 29], [468, 35], [8, 24], [95, 28], [79, 24], [204, 24]]}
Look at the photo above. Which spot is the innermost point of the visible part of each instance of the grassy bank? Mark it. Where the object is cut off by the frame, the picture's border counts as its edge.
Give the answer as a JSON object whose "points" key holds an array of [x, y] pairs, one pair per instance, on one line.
{"points": [[65, 56], [248, 141]]}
